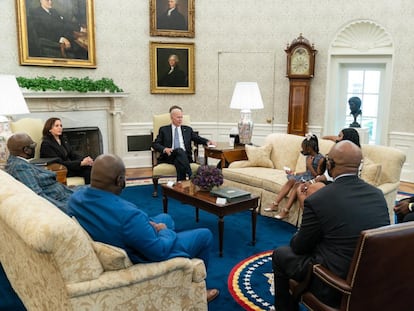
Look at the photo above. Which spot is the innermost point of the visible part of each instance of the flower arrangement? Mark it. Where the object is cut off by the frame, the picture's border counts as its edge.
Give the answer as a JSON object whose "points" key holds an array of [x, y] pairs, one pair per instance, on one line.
{"points": [[207, 177]]}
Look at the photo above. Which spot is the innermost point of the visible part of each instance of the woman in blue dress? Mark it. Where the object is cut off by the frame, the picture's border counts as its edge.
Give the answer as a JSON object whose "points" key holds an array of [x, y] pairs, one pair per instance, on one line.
{"points": [[315, 165]]}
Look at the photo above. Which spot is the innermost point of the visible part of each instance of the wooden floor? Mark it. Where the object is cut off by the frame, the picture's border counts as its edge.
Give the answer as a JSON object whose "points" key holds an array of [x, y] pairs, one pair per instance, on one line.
{"points": [[147, 172]]}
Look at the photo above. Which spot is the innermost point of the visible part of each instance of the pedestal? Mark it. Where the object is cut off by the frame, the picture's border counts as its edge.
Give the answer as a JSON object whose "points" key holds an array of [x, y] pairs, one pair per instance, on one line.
{"points": [[363, 134]]}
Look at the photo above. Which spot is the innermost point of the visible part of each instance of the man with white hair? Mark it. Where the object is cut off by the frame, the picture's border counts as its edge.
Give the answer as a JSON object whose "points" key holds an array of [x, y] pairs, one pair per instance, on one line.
{"points": [[171, 19]]}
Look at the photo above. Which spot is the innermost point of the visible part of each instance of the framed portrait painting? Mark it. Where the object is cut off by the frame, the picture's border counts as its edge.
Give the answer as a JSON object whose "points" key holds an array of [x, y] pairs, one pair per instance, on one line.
{"points": [[56, 33], [172, 68], [172, 18]]}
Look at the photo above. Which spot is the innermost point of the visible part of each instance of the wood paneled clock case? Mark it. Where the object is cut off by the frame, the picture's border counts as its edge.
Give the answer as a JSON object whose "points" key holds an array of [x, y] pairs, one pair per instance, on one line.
{"points": [[300, 71]]}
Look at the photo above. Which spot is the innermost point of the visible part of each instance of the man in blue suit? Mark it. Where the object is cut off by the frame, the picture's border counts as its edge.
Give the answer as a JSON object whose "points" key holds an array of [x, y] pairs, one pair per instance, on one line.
{"points": [[174, 143], [333, 218], [110, 219]]}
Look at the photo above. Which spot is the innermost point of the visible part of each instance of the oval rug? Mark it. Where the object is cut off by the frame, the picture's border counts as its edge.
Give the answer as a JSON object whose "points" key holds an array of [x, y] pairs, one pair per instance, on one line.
{"points": [[251, 282]]}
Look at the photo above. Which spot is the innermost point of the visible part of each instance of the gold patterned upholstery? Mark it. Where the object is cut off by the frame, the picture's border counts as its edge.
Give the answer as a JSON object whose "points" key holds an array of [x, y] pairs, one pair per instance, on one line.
{"points": [[164, 169], [52, 264]]}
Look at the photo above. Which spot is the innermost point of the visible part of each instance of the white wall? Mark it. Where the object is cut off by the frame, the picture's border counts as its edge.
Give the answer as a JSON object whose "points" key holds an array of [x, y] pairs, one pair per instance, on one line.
{"points": [[261, 27]]}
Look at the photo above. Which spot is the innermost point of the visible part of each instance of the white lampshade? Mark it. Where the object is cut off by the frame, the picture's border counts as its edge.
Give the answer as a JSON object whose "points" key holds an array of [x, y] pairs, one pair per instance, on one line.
{"points": [[11, 97], [11, 102], [246, 96]]}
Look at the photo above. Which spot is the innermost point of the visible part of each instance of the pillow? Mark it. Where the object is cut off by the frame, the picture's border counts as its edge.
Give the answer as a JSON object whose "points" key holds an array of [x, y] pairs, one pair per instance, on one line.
{"points": [[371, 172], [259, 156], [111, 257]]}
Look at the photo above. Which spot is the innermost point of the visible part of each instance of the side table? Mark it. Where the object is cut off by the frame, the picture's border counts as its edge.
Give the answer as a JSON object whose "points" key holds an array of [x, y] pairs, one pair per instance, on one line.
{"points": [[225, 153]]}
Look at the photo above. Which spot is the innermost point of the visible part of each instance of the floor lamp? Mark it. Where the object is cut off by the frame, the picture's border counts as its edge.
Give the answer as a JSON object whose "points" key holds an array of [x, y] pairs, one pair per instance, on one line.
{"points": [[11, 103], [246, 97]]}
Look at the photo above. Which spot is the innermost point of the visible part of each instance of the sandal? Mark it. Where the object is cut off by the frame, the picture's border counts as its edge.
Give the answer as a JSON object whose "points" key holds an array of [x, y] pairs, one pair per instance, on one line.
{"points": [[272, 208], [284, 213]]}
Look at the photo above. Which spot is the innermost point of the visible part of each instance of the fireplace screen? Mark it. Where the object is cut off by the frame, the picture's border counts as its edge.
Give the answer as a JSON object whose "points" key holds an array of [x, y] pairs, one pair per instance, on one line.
{"points": [[86, 141]]}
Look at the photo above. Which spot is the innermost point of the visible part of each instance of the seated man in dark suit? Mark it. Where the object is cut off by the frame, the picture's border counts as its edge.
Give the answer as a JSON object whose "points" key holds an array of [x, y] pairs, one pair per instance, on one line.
{"points": [[405, 209], [333, 218], [174, 143]]}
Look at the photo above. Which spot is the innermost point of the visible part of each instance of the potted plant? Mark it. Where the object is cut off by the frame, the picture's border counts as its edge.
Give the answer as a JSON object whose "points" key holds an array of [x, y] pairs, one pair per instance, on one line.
{"points": [[207, 177]]}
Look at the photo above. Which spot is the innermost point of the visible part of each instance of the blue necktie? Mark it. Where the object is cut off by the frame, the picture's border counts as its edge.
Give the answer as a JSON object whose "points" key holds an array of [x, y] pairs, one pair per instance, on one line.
{"points": [[176, 139]]}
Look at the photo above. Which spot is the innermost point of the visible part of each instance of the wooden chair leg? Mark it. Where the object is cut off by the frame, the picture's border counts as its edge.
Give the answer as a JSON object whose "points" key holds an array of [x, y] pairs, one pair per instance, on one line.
{"points": [[155, 184]]}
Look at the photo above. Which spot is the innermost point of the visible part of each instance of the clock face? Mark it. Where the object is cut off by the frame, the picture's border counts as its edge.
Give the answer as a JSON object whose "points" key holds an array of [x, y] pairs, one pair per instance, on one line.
{"points": [[300, 62]]}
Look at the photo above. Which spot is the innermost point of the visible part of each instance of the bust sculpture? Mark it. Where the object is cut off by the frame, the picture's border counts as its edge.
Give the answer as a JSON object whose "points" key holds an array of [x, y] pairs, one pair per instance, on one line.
{"points": [[355, 105]]}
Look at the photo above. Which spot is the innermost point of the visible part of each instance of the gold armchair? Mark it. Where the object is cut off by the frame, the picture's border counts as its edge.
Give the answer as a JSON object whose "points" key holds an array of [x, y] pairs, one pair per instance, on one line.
{"points": [[164, 169], [34, 127]]}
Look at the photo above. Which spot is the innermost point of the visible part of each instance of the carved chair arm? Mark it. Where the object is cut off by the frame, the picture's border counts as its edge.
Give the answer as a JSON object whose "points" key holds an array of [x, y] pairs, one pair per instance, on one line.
{"points": [[331, 279]]}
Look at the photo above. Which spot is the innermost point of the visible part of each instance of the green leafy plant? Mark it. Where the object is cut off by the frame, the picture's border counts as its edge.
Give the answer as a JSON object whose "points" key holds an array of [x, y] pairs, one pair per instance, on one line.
{"points": [[82, 85]]}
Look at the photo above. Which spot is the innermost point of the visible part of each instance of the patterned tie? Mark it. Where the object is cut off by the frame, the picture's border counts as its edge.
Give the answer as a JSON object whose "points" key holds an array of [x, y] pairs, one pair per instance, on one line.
{"points": [[176, 139]]}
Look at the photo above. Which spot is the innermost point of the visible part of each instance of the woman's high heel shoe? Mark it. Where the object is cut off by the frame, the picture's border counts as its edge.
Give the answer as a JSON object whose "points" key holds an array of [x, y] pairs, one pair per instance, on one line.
{"points": [[284, 213], [272, 208]]}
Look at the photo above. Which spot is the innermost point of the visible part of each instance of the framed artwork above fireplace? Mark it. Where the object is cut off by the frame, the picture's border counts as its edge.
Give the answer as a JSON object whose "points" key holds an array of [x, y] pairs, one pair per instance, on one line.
{"points": [[56, 33]]}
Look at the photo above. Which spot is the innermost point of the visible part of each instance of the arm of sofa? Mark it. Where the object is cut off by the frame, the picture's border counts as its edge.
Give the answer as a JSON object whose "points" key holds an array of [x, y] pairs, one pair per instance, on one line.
{"points": [[240, 164], [140, 273], [388, 187]]}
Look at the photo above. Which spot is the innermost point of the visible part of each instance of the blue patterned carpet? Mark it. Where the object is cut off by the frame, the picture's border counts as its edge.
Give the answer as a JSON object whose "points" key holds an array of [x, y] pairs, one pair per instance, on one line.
{"points": [[270, 234]]}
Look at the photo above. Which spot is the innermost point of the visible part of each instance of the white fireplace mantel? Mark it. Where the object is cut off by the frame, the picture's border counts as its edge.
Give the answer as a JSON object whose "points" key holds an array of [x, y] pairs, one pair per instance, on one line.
{"points": [[61, 101]]}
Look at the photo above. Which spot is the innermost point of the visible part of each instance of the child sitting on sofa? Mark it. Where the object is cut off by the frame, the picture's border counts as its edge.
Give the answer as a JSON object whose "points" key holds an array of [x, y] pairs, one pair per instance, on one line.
{"points": [[314, 166]]}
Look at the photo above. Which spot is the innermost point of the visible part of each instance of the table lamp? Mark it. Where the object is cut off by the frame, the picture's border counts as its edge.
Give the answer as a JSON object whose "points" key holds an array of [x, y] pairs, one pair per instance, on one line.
{"points": [[11, 103], [246, 96]]}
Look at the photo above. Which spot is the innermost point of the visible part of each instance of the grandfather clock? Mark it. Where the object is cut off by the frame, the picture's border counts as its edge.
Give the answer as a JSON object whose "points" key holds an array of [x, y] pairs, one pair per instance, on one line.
{"points": [[300, 70]]}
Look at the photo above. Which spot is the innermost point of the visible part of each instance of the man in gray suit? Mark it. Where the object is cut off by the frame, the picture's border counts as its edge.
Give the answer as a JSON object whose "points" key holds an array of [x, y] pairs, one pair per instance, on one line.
{"points": [[333, 218]]}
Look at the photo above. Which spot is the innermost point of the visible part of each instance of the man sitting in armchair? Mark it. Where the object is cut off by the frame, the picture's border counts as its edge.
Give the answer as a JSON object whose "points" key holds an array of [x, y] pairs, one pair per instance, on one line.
{"points": [[40, 180], [174, 143]]}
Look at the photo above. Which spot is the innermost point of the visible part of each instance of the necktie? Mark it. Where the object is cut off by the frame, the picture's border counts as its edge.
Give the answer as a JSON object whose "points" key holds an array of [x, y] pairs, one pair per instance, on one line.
{"points": [[176, 139]]}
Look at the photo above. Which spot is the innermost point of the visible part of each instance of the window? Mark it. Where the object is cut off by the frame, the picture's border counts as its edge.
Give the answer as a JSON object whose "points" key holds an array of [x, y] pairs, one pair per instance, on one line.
{"points": [[364, 82], [360, 64]]}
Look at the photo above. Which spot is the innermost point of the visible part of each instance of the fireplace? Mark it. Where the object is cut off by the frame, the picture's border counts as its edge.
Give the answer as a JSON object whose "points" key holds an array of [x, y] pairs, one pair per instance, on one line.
{"points": [[93, 109], [85, 141]]}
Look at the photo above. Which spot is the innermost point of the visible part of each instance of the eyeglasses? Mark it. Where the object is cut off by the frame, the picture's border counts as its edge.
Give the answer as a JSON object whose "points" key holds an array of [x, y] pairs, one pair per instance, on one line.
{"points": [[330, 161]]}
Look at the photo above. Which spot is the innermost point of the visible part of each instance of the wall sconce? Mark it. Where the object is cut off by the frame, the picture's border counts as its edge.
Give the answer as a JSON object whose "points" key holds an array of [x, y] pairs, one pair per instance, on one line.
{"points": [[246, 97]]}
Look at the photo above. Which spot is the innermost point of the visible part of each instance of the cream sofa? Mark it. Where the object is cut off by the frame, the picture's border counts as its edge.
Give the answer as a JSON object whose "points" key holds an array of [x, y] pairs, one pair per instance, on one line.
{"points": [[263, 173], [52, 263]]}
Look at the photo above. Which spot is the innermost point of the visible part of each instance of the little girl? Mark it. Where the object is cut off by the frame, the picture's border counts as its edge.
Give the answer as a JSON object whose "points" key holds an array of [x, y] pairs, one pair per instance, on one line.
{"points": [[314, 166]]}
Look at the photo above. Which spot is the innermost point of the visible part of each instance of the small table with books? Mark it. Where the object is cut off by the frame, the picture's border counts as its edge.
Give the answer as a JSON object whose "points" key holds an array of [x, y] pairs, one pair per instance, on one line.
{"points": [[185, 192]]}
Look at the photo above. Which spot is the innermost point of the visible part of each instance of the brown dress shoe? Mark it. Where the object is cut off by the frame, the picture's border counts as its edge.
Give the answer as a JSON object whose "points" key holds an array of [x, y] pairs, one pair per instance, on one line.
{"points": [[212, 294]]}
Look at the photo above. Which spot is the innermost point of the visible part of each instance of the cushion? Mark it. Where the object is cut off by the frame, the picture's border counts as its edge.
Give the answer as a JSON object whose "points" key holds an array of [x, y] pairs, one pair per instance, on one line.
{"points": [[371, 172], [111, 257], [259, 156]]}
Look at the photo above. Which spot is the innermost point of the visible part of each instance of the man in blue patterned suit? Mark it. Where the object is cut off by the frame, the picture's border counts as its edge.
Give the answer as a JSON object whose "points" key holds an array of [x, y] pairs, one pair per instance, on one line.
{"points": [[42, 181], [174, 143]]}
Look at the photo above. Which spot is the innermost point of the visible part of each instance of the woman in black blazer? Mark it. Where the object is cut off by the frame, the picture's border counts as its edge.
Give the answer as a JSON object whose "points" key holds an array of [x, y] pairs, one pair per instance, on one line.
{"points": [[54, 145]]}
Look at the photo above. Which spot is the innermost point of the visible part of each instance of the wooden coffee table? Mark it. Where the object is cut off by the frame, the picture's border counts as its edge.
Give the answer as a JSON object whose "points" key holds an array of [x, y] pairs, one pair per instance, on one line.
{"points": [[185, 193]]}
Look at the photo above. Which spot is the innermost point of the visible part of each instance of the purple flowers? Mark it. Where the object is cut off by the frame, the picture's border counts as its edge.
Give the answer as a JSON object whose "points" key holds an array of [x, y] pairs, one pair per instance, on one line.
{"points": [[207, 177]]}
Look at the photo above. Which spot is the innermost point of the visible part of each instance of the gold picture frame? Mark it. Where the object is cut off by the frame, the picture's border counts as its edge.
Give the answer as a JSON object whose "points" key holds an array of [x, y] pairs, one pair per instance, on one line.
{"points": [[179, 22], [59, 33], [172, 68]]}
